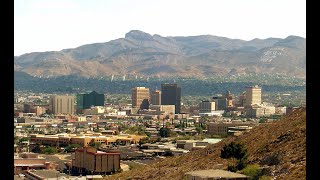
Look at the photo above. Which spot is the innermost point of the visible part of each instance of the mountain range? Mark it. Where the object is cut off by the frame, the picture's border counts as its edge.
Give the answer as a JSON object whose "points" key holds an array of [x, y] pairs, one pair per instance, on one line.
{"points": [[142, 54]]}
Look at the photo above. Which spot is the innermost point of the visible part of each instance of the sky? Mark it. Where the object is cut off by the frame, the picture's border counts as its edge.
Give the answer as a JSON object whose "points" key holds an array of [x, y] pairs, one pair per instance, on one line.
{"points": [[53, 25]]}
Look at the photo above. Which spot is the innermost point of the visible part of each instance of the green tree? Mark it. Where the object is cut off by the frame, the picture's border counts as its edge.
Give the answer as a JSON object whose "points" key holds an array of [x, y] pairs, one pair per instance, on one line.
{"points": [[235, 151], [148, 134], [178, 126], [95, 144], [72, 147], [24, 139], [199, 130], [164, 132], [36, 148], [50, 150], [96, 130], [144, 140]]}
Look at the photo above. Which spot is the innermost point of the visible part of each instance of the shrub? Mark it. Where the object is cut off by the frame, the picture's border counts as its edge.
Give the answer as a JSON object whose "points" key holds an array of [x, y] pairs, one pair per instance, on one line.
{"points": [[241, 164], [232, 168], [234, 150], [164, 132], [254, 171], [272, 159], [265, 178]]}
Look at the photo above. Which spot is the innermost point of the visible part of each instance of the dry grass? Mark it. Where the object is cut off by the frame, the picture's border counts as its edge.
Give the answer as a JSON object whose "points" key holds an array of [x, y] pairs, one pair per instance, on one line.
{"points": [[279, 147]]}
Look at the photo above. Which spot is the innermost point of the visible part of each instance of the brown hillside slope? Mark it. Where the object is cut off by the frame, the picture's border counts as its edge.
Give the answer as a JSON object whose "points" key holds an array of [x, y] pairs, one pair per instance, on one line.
{"points": [[279, 147]]}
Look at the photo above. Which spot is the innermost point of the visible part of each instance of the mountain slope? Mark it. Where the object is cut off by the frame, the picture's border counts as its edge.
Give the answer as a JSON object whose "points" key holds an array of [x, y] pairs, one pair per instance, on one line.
{"points": [[140, 53], [279, 147]]}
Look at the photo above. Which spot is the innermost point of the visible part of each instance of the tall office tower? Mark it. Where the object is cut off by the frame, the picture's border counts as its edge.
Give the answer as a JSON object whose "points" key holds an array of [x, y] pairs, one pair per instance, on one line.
{"points": [[140, 97], [242, 99], [171, 95], [229, 97], [156, 97], [221, 102], [207, 107], [62, 104], [253, 95], [86, 100]]}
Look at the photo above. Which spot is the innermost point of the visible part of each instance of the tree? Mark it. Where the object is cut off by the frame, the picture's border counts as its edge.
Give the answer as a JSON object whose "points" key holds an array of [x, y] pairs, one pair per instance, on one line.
{"points": [[235, 151], [199, 130], [177, 126], [71, 147], [24, 139], [164, 132], [50, 150], [36, 148], [148, 134], [96, 130], [95, 144], [144, 140]]}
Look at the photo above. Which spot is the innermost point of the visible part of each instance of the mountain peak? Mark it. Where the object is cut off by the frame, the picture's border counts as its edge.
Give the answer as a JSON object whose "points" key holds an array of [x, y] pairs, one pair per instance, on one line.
{"points": [[138, 35], [293, 41], [294, 37]]}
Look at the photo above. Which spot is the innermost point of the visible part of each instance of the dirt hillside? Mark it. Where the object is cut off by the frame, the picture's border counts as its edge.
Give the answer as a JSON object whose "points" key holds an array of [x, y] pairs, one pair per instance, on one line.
{"points": [[278, 147]]}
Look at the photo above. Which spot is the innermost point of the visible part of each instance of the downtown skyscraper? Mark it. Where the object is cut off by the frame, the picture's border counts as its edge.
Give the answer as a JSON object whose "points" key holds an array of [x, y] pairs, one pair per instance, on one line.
{"points": [[171, 95]]}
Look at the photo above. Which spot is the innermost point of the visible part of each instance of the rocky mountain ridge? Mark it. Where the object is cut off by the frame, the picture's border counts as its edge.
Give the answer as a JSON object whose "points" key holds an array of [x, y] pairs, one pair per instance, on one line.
{"points": [[140, 53]]}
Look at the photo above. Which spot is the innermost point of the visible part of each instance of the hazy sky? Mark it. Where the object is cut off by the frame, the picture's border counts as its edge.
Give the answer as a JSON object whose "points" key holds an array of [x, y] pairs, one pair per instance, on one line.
{"points": [[53, 25]]}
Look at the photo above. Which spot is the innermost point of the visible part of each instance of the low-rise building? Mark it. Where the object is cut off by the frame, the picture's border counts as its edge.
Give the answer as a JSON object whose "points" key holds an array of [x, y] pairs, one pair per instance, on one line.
{"points": [[163, 109], [195, 144], [90, 161], [280, 110], [221, 128], [81, 118], [237, 130], [26, 161], [212, 113], [50, 175], [83, 139], [263, 110]]}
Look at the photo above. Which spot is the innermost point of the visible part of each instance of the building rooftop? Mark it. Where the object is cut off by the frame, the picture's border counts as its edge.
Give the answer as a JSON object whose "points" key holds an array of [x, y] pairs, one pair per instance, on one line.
{"points": [[29, 165], [48, 173], [17, 177], [212, 141], [255, 86], [216, 173]]}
